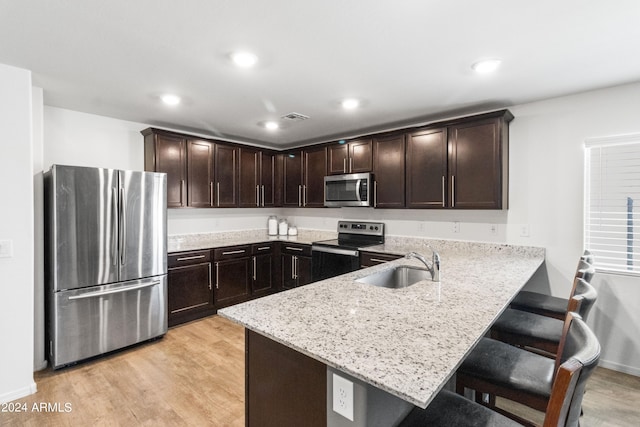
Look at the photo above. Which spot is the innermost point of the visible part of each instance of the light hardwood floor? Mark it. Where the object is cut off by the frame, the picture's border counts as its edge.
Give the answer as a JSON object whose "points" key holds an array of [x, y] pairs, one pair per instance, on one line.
{"points": [[195, 376]]}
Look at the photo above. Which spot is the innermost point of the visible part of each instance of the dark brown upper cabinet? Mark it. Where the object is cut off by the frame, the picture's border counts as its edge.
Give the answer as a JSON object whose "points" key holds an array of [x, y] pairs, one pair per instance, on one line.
{"points": [[426, 174], [304, 172], [350, 157], [388, 170], [200, 173], [165, 152], [256, 187], [478, 162], [226, 173]]}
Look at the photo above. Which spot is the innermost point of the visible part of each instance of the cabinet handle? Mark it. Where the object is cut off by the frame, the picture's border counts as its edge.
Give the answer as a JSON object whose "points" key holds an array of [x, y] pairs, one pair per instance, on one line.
{"points": [[344, 165], [299, 195], [211, 194], [375, 194], [217, 276], [182, 188], [295, 270], [209, 276], [378, 260], [262, 195], [240, 251], [350, 165], [293, 249], [254, 269], [186, 258], [264, 248], [304, 195], [453, 191], [257, 195], [293, 264], [218, 193], [443, 191]]}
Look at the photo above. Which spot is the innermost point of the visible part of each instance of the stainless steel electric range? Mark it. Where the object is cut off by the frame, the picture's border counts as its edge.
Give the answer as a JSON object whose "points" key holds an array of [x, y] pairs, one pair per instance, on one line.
{"points": [[334, 257]]}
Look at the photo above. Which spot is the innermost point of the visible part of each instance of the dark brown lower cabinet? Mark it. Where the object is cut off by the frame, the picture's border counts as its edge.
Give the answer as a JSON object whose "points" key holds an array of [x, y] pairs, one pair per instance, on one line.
{"points": [[262, 269], [231, 275], [283, 387], [190, 294], [295, 265]]}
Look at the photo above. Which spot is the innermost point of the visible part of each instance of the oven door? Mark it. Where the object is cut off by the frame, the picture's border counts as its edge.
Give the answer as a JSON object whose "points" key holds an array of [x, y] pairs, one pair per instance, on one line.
{"points": [[329, 262]]}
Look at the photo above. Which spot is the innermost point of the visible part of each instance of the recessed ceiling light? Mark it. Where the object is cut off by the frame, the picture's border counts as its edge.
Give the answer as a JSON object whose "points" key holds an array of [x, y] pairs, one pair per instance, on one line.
{"points": [[244, 59], [170, 99], [271, 125], [350, 104], [486, 65]]}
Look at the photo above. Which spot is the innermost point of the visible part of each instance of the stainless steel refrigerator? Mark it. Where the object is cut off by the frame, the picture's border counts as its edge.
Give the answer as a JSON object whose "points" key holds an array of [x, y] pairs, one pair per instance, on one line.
{"points": [[106, 260]]}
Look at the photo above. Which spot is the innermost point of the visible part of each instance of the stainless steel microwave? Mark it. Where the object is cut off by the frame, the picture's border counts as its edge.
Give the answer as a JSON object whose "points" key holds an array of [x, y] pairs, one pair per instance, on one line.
{"points": [[352, 189]]}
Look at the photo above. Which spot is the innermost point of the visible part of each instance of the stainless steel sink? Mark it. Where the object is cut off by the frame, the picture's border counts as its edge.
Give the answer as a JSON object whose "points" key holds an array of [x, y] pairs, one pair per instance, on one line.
{"points": [[399, 277]]}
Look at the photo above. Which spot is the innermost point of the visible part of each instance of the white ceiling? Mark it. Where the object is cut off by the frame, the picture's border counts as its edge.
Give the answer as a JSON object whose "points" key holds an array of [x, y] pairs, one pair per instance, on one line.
{"points": [[409, 61]]}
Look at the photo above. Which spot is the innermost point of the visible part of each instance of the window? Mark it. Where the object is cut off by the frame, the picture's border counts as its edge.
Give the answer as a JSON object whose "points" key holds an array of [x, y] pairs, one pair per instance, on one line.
{"points": [[612, 196]]}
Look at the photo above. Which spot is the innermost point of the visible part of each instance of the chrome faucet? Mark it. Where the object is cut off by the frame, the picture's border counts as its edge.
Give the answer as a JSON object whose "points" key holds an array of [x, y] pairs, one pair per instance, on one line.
{"points": [[434, 268]]}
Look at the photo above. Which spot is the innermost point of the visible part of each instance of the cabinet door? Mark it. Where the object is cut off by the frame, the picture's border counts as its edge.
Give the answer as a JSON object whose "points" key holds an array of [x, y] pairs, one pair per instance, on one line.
{"points": [[249, 182], [292, 194], [315, 169], [360, 156], [388, 167], [170, 158], [232, 281], [262, 270], [267, 172], [189, 291], [475, 165], [287, 271], [226, 170], [337, 158], [200, 173], [303, 270], [426, 176]]}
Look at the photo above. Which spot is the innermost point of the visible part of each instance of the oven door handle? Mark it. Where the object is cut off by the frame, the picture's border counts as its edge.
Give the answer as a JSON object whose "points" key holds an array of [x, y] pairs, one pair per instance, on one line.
{"points": [[338, 251]]}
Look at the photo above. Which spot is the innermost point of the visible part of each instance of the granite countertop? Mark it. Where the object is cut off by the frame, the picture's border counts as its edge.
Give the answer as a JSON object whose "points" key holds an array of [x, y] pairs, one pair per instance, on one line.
{"points": [[409, 341], [192, 242]]}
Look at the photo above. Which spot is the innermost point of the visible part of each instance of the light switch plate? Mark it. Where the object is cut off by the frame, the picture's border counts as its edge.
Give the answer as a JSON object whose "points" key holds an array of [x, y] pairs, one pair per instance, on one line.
{"points": [[343, 397], [6, 248]]}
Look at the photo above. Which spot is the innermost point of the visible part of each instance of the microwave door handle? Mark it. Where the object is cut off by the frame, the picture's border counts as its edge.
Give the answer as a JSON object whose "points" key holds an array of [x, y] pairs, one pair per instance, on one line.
{"points": [[358, 184]]}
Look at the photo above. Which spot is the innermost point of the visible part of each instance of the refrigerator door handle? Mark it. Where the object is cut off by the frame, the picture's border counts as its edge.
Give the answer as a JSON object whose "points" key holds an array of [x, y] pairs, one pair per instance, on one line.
{"points": [[114, 226], [115, 291], [123, 228]]}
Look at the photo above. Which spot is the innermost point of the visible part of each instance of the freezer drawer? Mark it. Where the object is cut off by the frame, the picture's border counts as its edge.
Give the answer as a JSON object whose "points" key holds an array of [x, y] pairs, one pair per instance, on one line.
{"points": [[92, 321]]}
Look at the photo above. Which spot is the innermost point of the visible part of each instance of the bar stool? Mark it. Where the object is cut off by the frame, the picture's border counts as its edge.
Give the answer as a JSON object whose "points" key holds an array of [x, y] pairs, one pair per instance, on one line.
{"points": [[541, 333], [500, 369], [548, 305]]}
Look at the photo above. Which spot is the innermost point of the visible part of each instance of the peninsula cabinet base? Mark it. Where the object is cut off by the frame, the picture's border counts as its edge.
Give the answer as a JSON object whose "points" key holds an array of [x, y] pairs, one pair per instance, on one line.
{"points": [[283, 387]]}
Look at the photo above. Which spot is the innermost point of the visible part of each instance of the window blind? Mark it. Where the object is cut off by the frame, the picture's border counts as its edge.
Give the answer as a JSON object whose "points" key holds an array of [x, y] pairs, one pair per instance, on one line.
{"points": [[612, 199]]}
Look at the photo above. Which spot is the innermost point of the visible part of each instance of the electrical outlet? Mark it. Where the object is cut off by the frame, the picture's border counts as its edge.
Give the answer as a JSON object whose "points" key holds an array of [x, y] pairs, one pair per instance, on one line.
{"points": [[493, 228], [343, 397], [6, 248], [456, 226], [524, 230]]}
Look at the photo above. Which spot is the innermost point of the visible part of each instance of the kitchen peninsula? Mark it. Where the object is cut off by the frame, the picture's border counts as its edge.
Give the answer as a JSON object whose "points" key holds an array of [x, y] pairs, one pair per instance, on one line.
{"points": [[406, 342]]}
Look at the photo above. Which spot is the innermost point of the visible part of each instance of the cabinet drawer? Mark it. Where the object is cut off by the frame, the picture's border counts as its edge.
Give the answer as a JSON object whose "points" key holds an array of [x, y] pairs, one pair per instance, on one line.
{"points": [[262, 248], [231, 252], [296, 249], [187, 258], [369, 259]]}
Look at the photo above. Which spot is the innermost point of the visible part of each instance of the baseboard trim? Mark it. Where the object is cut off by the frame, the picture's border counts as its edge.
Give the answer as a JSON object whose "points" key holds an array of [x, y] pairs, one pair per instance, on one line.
{"points": [[631, 370], [17, 394]]}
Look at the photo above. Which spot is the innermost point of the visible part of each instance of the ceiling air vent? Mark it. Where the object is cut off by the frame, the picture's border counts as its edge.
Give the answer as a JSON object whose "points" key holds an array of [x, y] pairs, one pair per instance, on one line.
{"points": [[295, 117]]}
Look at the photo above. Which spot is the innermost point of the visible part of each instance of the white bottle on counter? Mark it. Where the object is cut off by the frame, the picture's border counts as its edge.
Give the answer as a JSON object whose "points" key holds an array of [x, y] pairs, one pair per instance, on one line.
{"points": [[272, 226], [283, 227]]}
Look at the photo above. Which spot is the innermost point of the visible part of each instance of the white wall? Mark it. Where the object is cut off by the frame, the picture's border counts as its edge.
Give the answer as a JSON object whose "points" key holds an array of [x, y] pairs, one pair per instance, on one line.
{"points": [[546, 196], [16, 272]]}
